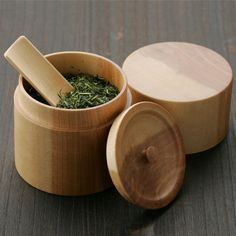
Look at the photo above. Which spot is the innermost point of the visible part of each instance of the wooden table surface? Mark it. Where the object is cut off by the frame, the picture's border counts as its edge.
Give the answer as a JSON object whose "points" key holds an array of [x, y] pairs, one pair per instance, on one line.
{"points": [[206, 204]]}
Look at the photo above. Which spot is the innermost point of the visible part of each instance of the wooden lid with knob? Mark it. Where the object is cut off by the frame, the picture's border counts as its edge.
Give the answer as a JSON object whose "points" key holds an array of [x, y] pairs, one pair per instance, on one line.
{"points": [[145, 155]]}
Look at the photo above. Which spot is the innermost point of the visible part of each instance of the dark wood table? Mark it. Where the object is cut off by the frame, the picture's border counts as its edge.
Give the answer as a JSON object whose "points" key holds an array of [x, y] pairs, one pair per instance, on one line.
{"points": [[206, 204]]}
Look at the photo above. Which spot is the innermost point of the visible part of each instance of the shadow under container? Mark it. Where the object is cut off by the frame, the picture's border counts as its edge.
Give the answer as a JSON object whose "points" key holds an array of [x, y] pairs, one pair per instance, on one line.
{"points": [[63, 151]]}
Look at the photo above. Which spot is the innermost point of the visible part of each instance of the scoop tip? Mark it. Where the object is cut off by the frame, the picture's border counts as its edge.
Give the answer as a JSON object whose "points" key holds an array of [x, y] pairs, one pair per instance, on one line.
{"points": [[20, 38]]}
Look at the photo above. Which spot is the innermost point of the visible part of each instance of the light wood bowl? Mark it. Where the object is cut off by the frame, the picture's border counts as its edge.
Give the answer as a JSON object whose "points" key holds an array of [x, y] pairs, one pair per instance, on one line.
{"points": [[63, 151]]}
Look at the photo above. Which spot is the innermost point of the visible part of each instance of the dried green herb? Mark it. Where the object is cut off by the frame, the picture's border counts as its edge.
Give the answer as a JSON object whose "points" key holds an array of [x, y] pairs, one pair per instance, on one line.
{"points": [[90, 91]]}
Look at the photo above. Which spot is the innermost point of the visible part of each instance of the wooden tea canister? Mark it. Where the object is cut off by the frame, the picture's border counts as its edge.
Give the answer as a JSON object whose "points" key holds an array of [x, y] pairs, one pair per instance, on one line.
{"points": [[192, 82], [63, 151]]}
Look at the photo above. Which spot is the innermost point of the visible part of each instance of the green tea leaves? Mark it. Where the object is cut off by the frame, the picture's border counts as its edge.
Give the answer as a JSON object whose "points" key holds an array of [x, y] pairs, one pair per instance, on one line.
{"points": [[90, 91]]}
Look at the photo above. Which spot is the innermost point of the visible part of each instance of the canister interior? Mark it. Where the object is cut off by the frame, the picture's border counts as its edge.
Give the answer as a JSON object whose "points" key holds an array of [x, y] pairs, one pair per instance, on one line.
{"points": [[79, 62]]}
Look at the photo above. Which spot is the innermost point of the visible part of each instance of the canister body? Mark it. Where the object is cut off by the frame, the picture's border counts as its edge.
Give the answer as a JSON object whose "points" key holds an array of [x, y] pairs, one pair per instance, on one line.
{"points": [[203, 123], [63, 151]]}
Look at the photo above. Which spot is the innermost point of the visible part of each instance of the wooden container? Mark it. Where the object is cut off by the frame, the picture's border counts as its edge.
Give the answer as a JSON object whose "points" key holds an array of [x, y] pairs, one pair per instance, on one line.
{"points": [[192, 82], [63, 151]]}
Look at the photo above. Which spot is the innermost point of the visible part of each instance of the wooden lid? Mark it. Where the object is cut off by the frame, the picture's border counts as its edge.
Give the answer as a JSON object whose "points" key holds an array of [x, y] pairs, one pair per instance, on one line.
{"points": [[177, 71], [145, 155]]}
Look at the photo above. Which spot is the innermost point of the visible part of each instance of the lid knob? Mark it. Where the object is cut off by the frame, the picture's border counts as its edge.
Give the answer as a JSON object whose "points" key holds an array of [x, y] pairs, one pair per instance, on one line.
{"points": [[150, 153]]}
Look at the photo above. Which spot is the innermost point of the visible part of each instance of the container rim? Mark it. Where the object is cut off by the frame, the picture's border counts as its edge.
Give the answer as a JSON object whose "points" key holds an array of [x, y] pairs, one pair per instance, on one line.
{"points": [[124, 88]]}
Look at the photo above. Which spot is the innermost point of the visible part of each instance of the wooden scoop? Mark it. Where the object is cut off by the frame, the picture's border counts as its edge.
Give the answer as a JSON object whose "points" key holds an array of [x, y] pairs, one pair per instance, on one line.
{"points": [[37, 70]]}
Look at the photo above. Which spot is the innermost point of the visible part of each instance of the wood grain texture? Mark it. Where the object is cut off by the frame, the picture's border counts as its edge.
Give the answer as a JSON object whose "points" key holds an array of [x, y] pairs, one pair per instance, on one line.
{"points": [[206, 204], [145, 155], [177, 72], [192, 82]]}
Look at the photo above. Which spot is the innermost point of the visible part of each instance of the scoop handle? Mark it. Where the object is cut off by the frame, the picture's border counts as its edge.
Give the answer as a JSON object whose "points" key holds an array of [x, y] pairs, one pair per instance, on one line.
{"points": [[37, 70]]}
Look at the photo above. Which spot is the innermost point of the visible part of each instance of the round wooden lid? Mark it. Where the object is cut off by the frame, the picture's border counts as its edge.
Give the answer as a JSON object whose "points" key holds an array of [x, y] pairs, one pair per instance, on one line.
{"points": [[177, 71], [145, 155]]}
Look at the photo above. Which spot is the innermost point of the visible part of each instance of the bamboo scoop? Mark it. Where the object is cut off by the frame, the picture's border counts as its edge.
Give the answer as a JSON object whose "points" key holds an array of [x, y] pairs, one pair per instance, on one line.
{"points": [[37, 70]]}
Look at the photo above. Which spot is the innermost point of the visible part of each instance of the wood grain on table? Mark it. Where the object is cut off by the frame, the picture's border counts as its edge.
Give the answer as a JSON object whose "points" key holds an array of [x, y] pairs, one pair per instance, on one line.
{"points": [[114, 29]]}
